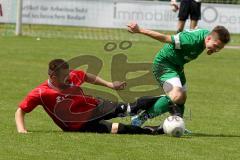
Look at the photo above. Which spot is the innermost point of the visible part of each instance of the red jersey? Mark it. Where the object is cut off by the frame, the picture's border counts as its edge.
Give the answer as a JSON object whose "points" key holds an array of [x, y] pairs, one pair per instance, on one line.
{"points": [[66, 107]]}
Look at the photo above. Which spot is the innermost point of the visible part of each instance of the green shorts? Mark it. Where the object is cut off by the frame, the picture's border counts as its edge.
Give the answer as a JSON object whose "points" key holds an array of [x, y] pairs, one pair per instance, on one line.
{"points": [[164, 70]]}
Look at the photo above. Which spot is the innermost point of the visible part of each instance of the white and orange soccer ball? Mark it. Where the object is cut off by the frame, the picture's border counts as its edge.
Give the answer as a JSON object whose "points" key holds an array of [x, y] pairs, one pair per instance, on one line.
{"points": [[174, 126]]}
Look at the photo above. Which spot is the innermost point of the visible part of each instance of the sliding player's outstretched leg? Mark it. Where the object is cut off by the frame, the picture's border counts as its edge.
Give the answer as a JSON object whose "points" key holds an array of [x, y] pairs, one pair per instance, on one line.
{"points": [[143, 103], [128, 109], [159, 107], [103, 126]]}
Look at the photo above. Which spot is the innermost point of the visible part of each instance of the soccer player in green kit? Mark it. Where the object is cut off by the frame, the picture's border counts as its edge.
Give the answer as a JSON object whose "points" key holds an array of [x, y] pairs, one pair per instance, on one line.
{"points": [[168, 65]]}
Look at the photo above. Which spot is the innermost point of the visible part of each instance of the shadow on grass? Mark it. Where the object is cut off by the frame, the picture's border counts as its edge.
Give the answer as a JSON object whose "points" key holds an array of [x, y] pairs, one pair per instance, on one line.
{"points": [[46, 131], [185, 136], [214, 135]]}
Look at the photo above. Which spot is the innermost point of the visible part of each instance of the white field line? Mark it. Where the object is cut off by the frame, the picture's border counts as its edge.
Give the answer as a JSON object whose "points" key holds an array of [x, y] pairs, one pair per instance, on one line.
{"points": [[232, 47]]}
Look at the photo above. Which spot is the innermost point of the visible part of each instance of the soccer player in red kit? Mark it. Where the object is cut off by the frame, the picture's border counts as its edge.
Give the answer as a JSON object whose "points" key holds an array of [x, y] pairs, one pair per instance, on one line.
{"points": [[72, 110]]}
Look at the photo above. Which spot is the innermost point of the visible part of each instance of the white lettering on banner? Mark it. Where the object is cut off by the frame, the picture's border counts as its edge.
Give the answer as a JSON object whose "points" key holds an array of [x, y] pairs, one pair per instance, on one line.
{"points": [[153, 13], [56, 12], [151, 16], [116, 14], [159, 16]]}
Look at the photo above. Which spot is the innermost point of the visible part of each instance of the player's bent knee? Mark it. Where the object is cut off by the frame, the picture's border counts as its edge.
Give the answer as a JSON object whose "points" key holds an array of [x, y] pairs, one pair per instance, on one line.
{"points": [[114, 129], [178, 97]]}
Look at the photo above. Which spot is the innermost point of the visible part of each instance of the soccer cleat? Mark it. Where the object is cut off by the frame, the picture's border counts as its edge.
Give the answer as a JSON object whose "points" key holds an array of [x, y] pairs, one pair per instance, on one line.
{"points": [[187, 132], [128, 110], [159, 130], [156, 130], [138, 120], [152, 129], [124, 110]]}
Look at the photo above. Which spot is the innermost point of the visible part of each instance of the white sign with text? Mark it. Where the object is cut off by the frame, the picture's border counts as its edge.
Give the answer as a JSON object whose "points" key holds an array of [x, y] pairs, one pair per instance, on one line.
{"points": [[110, 14]]}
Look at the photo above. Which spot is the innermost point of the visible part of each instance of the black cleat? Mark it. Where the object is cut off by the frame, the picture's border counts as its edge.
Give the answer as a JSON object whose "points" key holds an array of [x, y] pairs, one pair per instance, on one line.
{"points": [[155, 129]]}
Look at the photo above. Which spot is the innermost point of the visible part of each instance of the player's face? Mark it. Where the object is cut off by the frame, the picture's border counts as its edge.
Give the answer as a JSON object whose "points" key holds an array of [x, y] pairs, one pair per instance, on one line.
{"points": [[213, 45], [62, 78]]}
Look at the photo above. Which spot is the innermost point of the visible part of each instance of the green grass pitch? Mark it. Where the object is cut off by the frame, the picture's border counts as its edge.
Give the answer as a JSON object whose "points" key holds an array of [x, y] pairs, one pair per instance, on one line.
{"points": [[213, 98]]}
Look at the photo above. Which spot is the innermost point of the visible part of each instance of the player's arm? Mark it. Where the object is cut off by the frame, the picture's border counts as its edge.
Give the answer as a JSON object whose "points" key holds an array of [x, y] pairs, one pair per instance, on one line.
{"points": [[31, 101], [134, 28], [90, 78], [174, 5], [19, 119]]}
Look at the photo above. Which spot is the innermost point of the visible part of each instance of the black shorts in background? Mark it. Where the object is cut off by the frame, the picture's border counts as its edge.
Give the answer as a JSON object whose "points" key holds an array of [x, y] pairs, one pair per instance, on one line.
{"points": [[189, 7]]}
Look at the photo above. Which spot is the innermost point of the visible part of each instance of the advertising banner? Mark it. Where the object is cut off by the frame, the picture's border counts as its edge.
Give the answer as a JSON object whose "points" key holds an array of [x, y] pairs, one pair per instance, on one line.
{"points": [[115, 14]]}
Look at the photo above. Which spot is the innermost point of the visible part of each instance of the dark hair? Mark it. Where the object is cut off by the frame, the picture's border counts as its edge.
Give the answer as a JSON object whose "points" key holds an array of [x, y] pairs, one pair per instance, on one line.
{"points": [[222, 34], [56, 65]]}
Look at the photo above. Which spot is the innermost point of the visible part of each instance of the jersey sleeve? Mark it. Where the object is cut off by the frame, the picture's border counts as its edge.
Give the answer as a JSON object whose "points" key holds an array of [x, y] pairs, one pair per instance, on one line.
{"points": [[78, 77], [189, 38], [182, 40], [31, 101]]}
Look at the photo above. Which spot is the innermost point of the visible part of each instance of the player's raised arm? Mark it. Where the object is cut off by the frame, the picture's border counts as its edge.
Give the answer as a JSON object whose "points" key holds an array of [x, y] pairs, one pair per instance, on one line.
{"points": [[19, 118], [174, 5], [117, 85], [134, 28]]}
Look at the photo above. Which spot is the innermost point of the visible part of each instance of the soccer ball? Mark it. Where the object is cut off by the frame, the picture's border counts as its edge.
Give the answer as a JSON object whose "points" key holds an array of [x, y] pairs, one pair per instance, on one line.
{"points": [[174, 126]]}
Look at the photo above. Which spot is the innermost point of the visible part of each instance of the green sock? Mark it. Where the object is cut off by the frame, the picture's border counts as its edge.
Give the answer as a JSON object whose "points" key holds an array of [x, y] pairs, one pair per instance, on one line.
{"points": [[182, 108], [161, 106]]}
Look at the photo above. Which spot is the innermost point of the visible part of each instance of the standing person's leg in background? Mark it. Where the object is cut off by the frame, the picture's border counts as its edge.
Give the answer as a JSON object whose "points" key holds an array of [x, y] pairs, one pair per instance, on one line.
{"points": [[184, 11], [195, 14]]}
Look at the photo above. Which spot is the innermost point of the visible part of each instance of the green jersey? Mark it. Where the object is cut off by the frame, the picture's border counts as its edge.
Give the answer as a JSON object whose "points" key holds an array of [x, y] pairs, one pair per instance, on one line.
{"points": [[186, 46]]}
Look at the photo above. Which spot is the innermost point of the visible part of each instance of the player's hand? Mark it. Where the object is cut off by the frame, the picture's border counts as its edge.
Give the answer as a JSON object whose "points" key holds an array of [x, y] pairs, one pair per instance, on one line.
{"points": [[133, 27], [117, 85], [174, 7]]}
